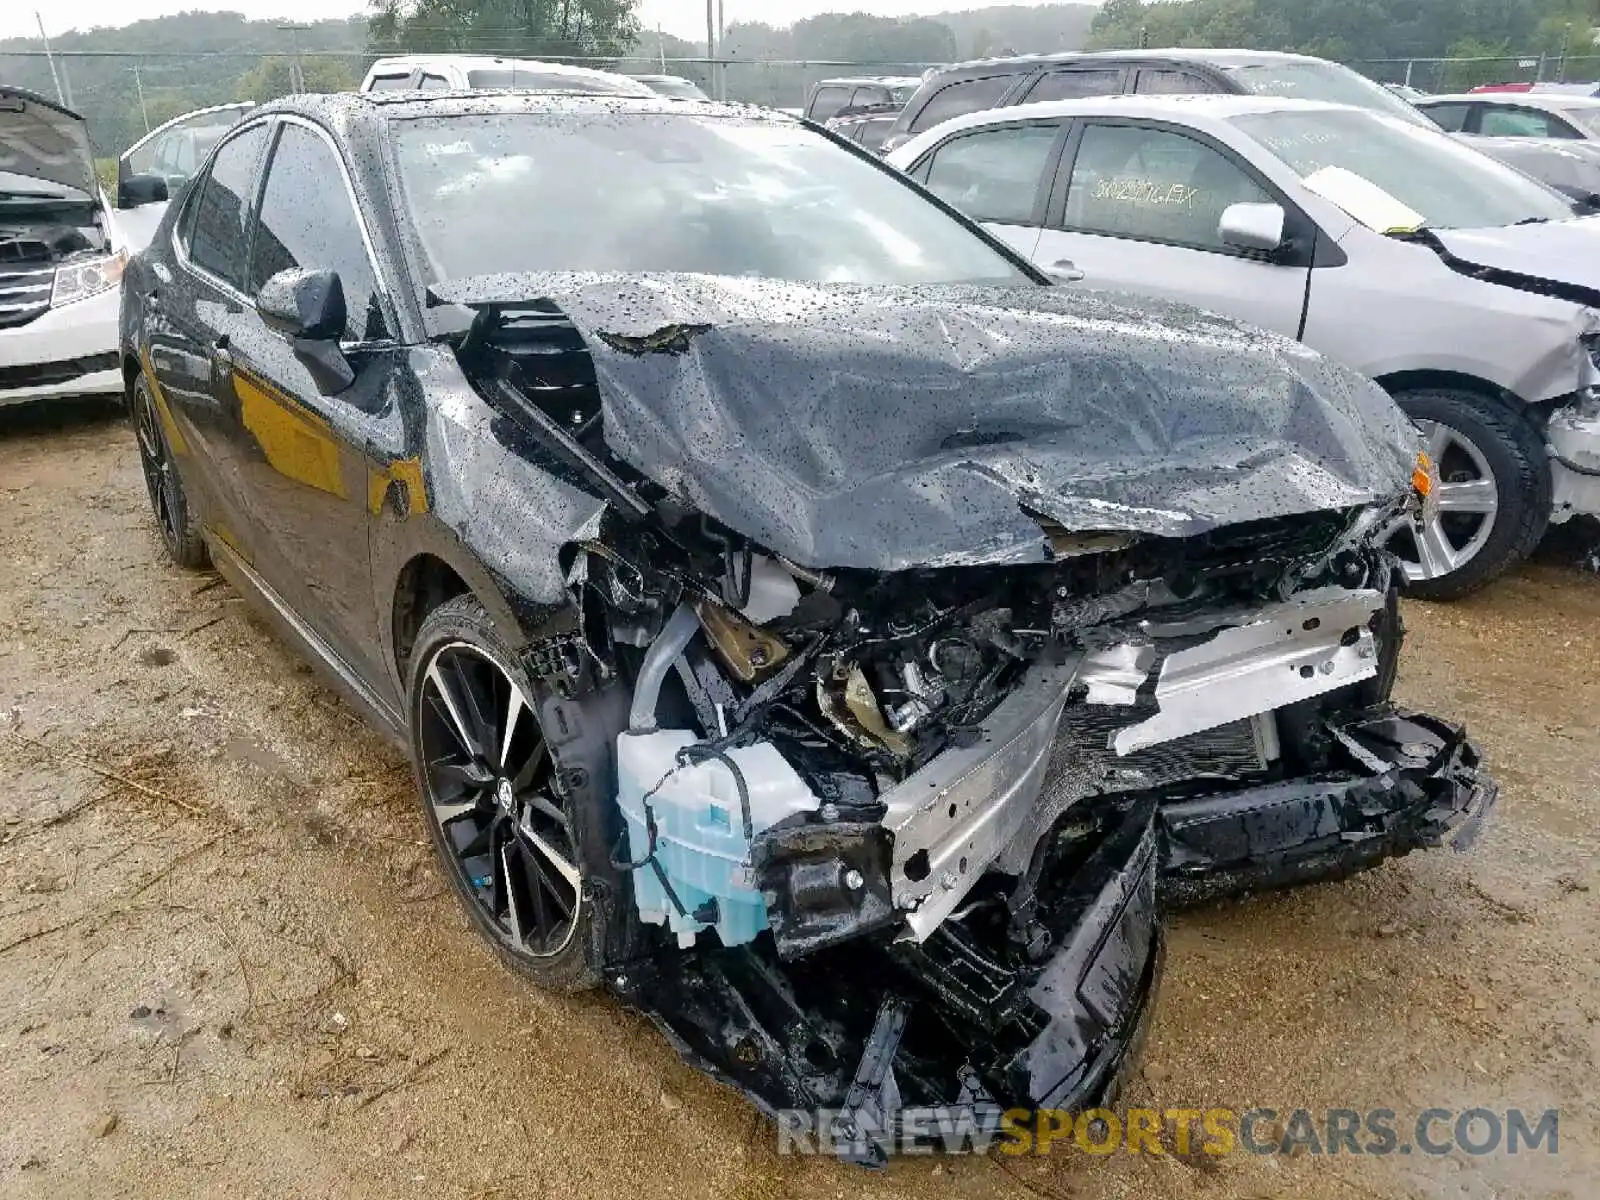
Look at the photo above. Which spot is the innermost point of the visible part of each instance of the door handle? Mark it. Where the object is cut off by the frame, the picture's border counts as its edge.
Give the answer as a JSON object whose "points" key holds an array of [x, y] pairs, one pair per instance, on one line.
{"points": [[1064, 270]]}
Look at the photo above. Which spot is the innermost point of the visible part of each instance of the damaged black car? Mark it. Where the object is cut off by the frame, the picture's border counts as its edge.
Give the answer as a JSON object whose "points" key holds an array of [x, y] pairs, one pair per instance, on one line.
{"points": [[804, 619]]}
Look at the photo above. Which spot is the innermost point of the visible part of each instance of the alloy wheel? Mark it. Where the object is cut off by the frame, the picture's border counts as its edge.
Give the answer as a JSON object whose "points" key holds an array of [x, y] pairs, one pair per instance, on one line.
{"points": [[157, 466], [1461, 516], [489, 783]]}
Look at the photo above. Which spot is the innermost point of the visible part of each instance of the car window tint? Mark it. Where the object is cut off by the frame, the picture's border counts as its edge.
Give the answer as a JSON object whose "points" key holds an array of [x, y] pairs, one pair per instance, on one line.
{"points": [[829, 102], [1069, 85], [308, 221], [1449, 117], [390, 83], [869, 95], [1150, 184], [969, 95], [434, 83], [993, 175], [875, 132], [217, 236], [1502, 120], [1154, 82]]}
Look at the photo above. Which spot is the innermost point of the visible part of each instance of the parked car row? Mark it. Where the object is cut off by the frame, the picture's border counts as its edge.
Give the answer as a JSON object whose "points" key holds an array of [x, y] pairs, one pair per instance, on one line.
{"points": [[805, 617]]}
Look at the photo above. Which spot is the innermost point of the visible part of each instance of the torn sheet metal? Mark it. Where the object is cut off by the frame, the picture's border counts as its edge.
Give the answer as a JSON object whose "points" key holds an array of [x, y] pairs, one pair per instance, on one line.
{"points": [[883, 428]]}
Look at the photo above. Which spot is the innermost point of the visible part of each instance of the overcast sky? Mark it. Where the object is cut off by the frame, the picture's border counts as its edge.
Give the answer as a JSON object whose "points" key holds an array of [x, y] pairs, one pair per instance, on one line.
{"points": [[686, 18]]}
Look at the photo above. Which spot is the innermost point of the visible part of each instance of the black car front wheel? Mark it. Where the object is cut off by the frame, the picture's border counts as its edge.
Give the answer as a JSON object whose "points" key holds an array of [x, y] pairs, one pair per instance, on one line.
{"points": [[523, 829], [179, 530]]}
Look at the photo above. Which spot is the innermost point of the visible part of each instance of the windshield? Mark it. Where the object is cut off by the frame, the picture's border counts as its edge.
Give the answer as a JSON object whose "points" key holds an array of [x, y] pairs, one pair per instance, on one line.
{"points": [[722, 196], [1323, 81], [1449, 185], [1586, 117], [552, 81]]}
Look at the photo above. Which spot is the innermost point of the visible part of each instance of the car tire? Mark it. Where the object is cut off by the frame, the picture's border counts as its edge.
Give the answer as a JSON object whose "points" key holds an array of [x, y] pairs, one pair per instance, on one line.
{"points": [[527, 847], [174, 518], [1479, 436]]}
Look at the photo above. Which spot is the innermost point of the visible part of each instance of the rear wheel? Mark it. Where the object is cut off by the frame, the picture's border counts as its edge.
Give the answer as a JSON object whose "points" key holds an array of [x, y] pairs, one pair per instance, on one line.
{"points": [[167, 498], [1493, 500], [520, 824]]}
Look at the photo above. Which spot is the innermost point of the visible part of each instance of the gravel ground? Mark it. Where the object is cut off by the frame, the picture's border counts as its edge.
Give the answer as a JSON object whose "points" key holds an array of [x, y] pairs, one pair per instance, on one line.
{"points": [[229, 967]]}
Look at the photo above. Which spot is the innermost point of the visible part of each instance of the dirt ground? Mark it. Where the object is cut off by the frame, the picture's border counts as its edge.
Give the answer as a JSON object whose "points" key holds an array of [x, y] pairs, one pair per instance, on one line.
{"points": [[228, 966]]}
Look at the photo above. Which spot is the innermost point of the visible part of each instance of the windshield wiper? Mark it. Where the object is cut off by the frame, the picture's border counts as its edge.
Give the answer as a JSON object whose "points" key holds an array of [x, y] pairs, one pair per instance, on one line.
{"points": [[1532, 221]]}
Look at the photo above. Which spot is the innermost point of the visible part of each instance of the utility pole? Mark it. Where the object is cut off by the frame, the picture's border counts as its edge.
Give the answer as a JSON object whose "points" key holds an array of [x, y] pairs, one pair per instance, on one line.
{"points": [[297, 75], [63, 94], [139, 87], [1566, 46], [711, 41], [661, 45], [722, 39]]}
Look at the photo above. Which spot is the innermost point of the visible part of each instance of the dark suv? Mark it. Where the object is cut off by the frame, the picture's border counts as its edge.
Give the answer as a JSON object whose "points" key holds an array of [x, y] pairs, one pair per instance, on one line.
{"points": [[1003, 82]]}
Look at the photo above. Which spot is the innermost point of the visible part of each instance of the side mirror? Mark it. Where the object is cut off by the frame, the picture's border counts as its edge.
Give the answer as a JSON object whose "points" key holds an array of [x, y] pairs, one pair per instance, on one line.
{"points": [[135, 190], [307, 307], [1256, 227]]}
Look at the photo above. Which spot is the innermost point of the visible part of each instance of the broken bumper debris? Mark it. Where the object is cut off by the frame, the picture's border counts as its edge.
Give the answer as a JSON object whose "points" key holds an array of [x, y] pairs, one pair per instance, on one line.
{"points": [[1408, 782], [851, 1047]]}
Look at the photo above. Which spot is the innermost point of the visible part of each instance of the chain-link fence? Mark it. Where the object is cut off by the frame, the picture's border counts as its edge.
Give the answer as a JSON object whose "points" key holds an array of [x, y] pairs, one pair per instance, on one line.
{"points": [[126, 94], [1462, 74]]}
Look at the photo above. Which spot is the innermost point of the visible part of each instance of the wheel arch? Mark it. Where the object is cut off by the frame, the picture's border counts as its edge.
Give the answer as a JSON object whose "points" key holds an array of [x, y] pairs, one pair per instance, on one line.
{"points": [[432, 575], [1397, 383]]}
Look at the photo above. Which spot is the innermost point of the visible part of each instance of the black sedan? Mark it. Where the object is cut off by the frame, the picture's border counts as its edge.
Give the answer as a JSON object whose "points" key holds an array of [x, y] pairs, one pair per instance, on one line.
{"points": [[802, 617]]}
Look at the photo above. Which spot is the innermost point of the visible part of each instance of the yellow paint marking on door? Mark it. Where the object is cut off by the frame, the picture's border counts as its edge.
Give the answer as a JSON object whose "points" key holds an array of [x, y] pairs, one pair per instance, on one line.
{"points": [[298, 444]]}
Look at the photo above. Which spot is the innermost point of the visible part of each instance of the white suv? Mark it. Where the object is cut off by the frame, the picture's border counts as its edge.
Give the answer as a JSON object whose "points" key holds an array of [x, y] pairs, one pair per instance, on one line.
{"points": [[474, 72], [61, 257], [1465, 288]]}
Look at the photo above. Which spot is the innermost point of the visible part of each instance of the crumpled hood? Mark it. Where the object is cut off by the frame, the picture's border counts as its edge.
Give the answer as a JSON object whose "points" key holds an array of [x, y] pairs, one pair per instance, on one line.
{"points": [[1564, 252], [41, 140], [887, 427]]}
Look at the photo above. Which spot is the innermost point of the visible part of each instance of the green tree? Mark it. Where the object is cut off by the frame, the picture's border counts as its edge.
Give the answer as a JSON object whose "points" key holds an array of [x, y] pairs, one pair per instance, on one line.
{"points": [[551, 29], [274, 77]]}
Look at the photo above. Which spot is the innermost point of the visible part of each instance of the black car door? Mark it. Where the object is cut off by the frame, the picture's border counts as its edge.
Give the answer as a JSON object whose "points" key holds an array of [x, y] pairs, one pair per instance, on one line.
{"points": [[304, 456], [191, 312]]}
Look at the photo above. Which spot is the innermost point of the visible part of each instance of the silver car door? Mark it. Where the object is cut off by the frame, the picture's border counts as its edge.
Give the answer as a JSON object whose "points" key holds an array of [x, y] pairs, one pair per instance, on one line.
{"points": [[1137, 208]]}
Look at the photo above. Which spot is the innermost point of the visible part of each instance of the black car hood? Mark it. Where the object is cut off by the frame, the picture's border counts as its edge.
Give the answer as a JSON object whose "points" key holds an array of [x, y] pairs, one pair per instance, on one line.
{"points": [[884, 427]]}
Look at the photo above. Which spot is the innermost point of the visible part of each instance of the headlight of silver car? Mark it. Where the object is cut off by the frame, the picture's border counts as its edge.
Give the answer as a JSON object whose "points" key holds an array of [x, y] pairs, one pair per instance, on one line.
{"points": [[80, 280]]}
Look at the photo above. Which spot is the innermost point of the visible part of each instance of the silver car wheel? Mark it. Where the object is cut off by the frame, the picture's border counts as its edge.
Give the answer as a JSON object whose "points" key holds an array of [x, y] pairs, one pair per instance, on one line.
{"points": [[1460, 518]]}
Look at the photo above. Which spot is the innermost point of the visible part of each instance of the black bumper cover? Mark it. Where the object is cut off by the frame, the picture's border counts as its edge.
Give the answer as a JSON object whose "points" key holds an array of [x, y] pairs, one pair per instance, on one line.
{"points": [[1398, 781]]}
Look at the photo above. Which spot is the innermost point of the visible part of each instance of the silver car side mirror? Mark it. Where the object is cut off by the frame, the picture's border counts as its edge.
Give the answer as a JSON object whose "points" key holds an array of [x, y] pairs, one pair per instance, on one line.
{"points": [[1252, 226]]}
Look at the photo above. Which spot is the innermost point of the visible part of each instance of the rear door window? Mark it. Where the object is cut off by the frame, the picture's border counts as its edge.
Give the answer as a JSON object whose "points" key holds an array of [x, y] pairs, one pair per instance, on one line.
{"points": [[218, 233], [434, 83], [1161, 81], [1507, 120], [1071, 85], [390, 83], [964, 96], [1152, 184], [828, 102], [996, 174], [1452, 118]]}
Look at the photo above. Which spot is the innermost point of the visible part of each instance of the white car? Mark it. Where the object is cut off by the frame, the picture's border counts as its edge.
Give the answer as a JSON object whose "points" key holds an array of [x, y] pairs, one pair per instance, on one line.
{"points": [[61, 257], [1517, 114], [1462, 286], [475, 72], [173, 152]]}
